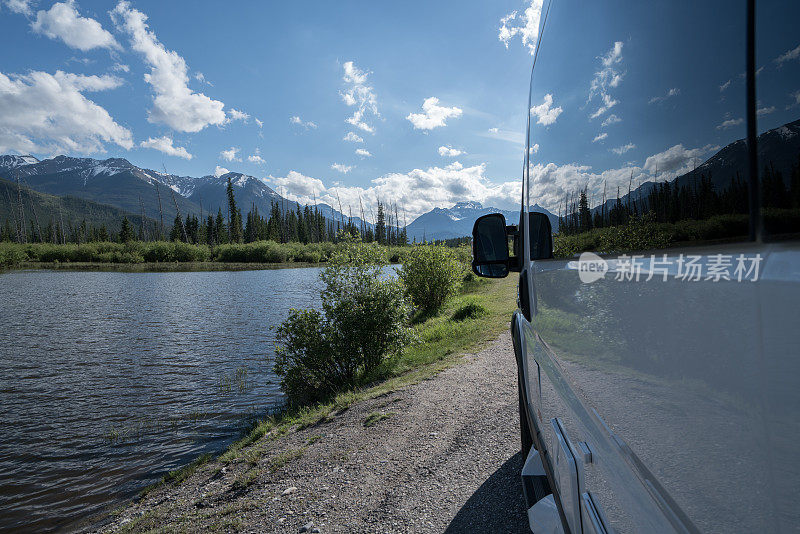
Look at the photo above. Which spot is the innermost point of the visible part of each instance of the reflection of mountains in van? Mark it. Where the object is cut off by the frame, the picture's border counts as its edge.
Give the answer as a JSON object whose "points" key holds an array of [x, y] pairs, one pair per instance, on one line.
{"points": [[779, 148]]}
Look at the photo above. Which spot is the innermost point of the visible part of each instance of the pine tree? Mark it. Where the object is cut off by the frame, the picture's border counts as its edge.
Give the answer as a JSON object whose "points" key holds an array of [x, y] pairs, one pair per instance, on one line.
{"points": [[235, 215], [380, 226], [126, 232]]}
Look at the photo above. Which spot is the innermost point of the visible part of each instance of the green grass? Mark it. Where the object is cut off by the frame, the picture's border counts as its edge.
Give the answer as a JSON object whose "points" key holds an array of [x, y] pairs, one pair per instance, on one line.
{"points": [[376, 417], [282, 459]]}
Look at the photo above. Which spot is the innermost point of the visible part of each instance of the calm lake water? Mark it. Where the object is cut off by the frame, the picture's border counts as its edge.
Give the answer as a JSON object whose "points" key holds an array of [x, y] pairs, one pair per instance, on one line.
{"points": [[108, 380]]}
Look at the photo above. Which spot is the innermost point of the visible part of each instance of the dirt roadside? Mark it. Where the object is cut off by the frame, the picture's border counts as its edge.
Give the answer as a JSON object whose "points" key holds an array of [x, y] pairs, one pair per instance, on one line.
{"points": [[438, 456]]}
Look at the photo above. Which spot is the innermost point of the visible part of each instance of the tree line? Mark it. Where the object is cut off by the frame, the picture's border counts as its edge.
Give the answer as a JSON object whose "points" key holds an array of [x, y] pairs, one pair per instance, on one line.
{"points": [[282, 224], [669, 202]]}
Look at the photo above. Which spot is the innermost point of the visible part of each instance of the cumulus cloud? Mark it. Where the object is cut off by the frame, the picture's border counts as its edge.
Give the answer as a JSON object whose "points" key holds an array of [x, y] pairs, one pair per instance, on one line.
{"points": [[414, 192], [765, 110], [676, 161], [257, 159], [672, 92], [359, 95], [790, 55], [23, 7], [606, 78], [534, 149], [526, 26], [305, 124], [231, 154], [545, 113], [63, 22], [353, 138], [48, 113], [730, 123], [622, 149], [600, 137], [174, 103], [219, 171], [433, 116], [259, 123], [363, 153], [611, 119], [236, 115], [164, 144], [450, 152], [342, 168]]}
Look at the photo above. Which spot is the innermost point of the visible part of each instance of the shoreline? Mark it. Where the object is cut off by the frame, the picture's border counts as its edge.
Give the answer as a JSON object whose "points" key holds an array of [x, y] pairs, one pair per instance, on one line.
{"points": [[158, 267], [421, 362]]}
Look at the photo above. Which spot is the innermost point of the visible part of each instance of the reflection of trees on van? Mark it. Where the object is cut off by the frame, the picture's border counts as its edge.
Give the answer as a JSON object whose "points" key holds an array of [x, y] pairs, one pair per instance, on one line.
{"points": [[699, 206]]}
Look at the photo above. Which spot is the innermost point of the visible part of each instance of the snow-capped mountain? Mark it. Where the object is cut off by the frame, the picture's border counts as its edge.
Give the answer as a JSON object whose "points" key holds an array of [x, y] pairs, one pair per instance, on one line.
{"points": [[457, 221], [119, 183]]}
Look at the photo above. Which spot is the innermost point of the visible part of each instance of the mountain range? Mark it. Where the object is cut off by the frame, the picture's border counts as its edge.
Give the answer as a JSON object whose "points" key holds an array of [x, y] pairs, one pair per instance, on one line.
{"points": [[135, 192]]}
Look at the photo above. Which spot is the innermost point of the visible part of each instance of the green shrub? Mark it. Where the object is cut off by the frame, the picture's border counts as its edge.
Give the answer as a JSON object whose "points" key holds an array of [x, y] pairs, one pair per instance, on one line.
{"points": [[471, 310], [363, 320], [11, 255], [430, 275]]}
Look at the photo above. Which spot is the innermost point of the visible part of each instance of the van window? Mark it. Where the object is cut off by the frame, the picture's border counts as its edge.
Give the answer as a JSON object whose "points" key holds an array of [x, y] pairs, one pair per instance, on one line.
{"points": [[637, 125]]}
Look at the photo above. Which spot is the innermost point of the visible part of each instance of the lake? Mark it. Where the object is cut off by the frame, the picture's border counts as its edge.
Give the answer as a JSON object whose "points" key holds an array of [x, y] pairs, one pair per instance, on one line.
{"points": [[108, 380]]}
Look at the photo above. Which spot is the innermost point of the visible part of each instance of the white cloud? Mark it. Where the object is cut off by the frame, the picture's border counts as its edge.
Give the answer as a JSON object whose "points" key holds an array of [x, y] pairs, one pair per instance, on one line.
{"points": [[600, 137], [353, 137], [236, 115], [259, 123], [360, 95], [164, 144], [120, 67], [730, 123], [494, 130], [434, 116], [525, 25], [307, 124], [257, 159], [608, 103], [788, 56], [174, 104], [363, 153], [63, 22], [48, 113], [231, 154], [22, 7], [672, 92], [622, 149], [534, 149], [724, 86], [607, 77], [765, 110], [344, 169], [200, 77], [414, 192], [675, 161], [449, 151], [219, 171], [611, 119], [545, 113]]}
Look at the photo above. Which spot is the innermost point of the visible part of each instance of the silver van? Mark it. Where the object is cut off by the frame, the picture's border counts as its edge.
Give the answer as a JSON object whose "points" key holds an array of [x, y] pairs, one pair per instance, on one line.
{"points": [[657, 334]]}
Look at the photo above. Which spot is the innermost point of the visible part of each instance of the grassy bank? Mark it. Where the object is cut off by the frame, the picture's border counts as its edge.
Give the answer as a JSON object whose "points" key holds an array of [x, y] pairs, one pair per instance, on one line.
{"points": [[161, 254], [477, 315]]}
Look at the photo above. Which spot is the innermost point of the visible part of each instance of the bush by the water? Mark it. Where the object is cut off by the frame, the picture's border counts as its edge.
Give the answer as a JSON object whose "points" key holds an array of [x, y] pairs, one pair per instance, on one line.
{"points": [[431, 274], [176, 251], [363, 320]]}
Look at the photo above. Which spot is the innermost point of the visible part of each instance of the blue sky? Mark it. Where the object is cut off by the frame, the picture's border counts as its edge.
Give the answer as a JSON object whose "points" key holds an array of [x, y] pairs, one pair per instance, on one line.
{"points": [[435, 93]]}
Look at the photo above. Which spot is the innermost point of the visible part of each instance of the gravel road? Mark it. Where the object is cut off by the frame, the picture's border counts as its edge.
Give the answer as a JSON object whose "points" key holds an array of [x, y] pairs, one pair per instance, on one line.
{"points": [[446, 459]]}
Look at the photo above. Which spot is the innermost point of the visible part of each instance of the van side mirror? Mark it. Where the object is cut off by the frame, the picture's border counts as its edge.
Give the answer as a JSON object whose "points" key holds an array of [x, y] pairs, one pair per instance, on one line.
{"points": [[490, 246], [541, 236]]}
